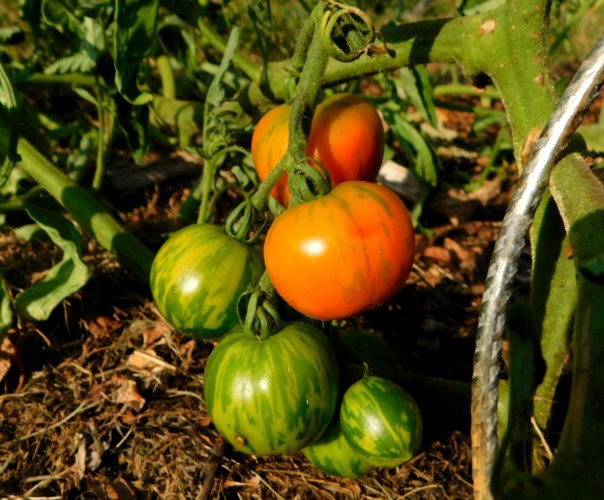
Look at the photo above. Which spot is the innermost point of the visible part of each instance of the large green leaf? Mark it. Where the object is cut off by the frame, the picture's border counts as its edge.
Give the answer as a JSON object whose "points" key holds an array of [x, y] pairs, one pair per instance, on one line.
{"points": [[135, 26], [65, 278]]}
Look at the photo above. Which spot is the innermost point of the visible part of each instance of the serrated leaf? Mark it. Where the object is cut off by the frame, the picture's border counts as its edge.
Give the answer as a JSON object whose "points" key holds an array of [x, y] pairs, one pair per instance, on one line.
{"points": [[76, 63], [216, 92], [68, 276], [135, 26], [215, 127], [6, 308]]}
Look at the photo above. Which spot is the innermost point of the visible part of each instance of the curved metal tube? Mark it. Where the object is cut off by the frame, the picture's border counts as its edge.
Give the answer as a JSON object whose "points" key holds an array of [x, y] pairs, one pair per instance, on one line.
{"points": [[583, 88]]}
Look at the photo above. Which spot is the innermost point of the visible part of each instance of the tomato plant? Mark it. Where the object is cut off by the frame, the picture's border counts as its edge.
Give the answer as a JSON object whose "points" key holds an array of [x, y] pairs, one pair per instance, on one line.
{"points": [[197, 277], [342, 253], [381, 421], [346, 137], [364, 350], [333, 454], [273, 395]]}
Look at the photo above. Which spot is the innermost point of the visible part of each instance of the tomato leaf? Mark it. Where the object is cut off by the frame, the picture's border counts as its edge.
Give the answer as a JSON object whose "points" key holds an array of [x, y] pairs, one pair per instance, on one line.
{"points": [[9, 118], [62, 15], [67, 18], [38, 301], [261, 17], [180, 41], [419, 150], [135, 26], [133, 120], [416, 82], [6, 308]]}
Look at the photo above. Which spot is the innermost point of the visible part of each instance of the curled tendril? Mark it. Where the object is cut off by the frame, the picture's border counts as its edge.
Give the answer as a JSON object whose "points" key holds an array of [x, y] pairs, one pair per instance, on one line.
{"points": [[347, 32], [257, 313], [309, 180], [241, 222]]}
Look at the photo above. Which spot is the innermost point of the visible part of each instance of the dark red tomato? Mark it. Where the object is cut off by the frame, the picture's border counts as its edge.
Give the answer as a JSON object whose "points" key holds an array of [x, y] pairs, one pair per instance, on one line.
{"points": [[343, 253], [346, 137]]}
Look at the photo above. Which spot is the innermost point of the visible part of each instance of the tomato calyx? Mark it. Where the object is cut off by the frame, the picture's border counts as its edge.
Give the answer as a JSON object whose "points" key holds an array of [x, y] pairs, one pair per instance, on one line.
{"points": [[347, 32], [308, 181], [257, 311], [246, 223]]}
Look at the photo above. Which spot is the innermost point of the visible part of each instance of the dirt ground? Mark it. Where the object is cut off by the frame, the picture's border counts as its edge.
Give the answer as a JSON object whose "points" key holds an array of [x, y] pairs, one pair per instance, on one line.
{"points": [[104, 400]]}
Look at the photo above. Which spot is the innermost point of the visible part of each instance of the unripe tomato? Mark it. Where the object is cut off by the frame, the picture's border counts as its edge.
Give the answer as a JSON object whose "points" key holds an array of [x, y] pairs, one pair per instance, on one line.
{"points": [[342, 253], [333, 454], [346, 137], [275, 395], [381, 421], [197, 277]]}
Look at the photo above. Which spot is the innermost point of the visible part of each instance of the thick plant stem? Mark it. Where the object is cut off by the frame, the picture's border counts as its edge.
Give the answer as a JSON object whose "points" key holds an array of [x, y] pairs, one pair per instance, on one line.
{"points": [[552, 143], [574, 471], [553, 304], [168, 84], [92, 216], [515, 59], [303, 105], [307, 93]]}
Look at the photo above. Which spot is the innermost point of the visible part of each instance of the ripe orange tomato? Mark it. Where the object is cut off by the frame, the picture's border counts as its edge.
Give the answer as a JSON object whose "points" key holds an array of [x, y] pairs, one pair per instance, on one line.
{"points": [[346, 136], [343, 253]]}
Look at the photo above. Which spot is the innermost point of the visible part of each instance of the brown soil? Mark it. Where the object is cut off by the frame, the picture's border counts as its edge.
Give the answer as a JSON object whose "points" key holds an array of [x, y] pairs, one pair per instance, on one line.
{"points": [[104, 400]]}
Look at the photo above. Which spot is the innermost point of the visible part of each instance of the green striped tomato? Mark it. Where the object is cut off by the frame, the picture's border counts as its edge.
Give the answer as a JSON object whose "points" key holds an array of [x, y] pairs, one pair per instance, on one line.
{"points": [[381, 421], [343, 253], [275, 395], [333, 454], [197, 277]]}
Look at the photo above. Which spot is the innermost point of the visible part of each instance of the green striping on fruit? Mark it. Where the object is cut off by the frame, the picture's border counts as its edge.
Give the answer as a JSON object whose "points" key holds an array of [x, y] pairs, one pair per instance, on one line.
{"points": [[197, 277], [381, 421], [333, 454], [274, 395]]}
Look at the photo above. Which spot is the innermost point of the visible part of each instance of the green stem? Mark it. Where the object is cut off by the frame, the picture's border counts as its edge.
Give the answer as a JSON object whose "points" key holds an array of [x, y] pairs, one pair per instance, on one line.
{"points": [[207, 184], [167, 77], [92, 216], [99, 172], [251, 69], [75, 79], [303, 106], [457, 89], [553, 304]]}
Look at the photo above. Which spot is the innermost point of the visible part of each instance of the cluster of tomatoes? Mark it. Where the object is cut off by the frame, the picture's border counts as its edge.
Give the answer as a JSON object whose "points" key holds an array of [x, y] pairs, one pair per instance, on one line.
{"points": [[329, 258]]}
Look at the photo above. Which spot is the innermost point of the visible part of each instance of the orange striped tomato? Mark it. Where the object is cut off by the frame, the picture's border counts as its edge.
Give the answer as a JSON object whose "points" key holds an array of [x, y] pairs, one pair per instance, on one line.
{"points": [[343, 253], [346, 137]]}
